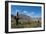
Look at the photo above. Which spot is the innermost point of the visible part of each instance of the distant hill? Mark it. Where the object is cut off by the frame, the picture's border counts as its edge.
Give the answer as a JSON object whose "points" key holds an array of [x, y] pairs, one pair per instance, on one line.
{"points": [[26, 18], [37, 18]]}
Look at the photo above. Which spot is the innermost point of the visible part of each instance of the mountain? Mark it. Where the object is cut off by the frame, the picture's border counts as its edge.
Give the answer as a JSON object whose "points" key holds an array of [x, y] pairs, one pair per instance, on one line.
{"points": [[25, 18], [22, 18], [36, 19]]}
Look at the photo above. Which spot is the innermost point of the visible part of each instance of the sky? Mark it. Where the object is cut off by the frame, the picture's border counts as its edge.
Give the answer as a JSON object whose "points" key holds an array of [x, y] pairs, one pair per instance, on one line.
{"points": [[32, 11]]}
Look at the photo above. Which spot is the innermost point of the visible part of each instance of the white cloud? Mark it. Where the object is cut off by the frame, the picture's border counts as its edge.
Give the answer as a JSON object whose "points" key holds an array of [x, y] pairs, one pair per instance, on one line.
{"points": [[28, 13], [25, 11], [32, 13]]}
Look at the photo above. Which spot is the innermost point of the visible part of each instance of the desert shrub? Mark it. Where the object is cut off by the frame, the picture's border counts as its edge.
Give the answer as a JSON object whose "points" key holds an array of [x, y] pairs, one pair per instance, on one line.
{"points": [[26, 24]]}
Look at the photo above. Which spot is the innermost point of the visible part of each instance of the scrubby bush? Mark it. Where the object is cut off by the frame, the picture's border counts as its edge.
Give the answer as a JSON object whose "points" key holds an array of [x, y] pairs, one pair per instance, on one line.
{"points": [[28, 24]]}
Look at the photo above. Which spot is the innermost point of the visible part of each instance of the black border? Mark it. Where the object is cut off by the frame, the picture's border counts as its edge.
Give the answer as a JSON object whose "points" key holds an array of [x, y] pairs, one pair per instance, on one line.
{"points": [[6, 16]]}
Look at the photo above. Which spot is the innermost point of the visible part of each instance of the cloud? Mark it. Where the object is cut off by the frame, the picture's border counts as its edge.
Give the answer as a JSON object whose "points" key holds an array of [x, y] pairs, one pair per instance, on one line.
{"points": [[32, 13], [28, 13], [25, 12]]}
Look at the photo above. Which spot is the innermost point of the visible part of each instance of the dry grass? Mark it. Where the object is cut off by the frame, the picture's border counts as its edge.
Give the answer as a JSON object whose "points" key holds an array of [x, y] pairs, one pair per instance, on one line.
{"points": [[28, 24]]}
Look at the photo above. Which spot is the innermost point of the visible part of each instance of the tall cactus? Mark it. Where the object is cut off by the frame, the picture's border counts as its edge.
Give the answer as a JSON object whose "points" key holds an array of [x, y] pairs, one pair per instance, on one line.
{"points": [[17, 18]]}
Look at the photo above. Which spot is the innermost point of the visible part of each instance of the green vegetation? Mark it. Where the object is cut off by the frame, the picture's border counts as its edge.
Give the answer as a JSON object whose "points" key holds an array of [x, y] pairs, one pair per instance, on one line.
{"points": [[25, 24]]}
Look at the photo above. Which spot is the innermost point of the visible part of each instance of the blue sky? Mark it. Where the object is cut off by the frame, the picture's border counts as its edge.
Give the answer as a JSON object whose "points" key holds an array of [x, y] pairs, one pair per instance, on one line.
{"points": [[32, 11]]}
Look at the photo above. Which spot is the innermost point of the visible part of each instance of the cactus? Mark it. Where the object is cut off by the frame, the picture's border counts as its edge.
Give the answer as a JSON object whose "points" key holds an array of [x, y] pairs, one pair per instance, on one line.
{"points": [[17, 18]]}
